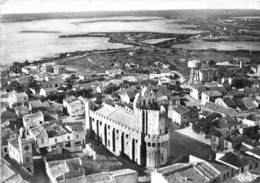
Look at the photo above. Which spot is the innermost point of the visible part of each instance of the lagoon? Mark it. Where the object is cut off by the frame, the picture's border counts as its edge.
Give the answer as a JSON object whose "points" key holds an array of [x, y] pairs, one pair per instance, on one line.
{"points": [[36, 39]]}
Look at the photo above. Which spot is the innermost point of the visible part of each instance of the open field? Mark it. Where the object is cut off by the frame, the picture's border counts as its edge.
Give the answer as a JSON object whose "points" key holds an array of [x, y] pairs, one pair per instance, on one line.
{"points": [[184, 145], [146, 56]]}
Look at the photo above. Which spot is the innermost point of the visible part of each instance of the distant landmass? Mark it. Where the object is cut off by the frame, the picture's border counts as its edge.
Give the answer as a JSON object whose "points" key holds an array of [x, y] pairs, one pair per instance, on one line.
{"points": [[96, 14]]}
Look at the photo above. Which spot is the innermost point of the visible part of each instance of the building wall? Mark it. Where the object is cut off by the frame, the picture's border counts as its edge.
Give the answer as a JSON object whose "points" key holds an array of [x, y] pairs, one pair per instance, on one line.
{"points": [[117, 138], [215, 142], [48, 172], [43, 92], [42, 142], [78, 137], [23, 155], [16, 98], [208, 75], [14, 153], [26, 150], [220, 102], [60, 139], [46, 68], [123, 140], [178, 118], [58, 70], [75, 110], [155, 125], [174, 116], [127, 178], [226, 174], [204, 98], [157, 178], [125, 98], [194, 93], [34, 120], [227, 145]]}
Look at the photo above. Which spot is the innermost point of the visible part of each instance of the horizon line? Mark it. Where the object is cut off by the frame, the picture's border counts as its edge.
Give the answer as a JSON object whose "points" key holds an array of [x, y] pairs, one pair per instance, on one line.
{"points": [[104, 11]]}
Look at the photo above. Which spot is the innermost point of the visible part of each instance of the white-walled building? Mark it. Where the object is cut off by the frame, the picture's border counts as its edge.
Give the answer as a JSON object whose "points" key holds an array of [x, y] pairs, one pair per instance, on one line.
{"points": [[195, 92], [74, 106], [179, 114], [54, 137], [17, 98], [59, 69], [209, 96], [20, 149], [47, 67], [197, 172], [114, 72], [33, 119], [48, 91]]}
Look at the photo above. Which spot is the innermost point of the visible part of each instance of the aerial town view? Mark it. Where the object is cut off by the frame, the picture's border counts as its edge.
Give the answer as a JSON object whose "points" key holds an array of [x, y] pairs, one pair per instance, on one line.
{"points": [[120, 91]]}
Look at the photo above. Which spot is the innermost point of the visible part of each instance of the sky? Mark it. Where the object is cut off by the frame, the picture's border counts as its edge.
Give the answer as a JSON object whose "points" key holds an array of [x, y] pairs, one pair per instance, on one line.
{"points": [[40, 6]]}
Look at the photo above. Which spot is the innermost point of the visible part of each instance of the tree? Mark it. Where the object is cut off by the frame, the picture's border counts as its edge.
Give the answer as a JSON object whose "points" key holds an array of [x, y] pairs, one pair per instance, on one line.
{"points": [[111, 88], [252, 133], [211, 63], [241, 83], [202, 125]]}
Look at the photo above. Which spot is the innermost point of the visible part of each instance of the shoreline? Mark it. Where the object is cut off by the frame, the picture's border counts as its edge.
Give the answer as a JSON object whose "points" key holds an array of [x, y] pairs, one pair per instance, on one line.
{"points": [[134, 43], [63, 55], [32, 31]]}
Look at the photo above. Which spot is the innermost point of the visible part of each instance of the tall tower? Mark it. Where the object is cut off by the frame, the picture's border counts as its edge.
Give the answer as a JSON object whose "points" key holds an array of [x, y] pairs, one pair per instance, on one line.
{"points": [[26, 150], [194, 65]]}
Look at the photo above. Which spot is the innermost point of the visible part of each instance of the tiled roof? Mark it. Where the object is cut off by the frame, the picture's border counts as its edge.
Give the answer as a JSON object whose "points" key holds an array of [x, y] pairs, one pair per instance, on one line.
{"points": [[35, 103], [244, 149], [234, 93], [38, 131], [8, 175], [70, 99], [248, 91], [220, 89], [29, 119], [220, 109], [207, 171], [131, 91], [181, 109], [235, 159], [185, 175], [50, 89], [249, 103], [239, 103], [119, 116], [219, 166], [76, 126], [235, 139], [97, 178], [54, 130], [212, 93], [188, 172], [229, 102], [67, 169]]}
